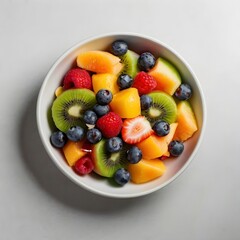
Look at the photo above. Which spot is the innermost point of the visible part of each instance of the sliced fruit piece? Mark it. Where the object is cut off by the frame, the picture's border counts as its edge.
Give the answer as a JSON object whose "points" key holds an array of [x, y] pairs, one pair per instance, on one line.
{"points": [[146, 170], [105, 163], [167, 77], [126, 103], [163, 108], [136, 129], [129, 59], [59, 91], [154, 146], [69, 107], [73, 151], [105, 81], [99, 62], [187, 123]]}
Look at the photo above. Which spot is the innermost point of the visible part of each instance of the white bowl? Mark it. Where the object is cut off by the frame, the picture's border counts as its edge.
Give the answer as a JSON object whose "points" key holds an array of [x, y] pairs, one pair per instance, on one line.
{"points": [[138, 43]]}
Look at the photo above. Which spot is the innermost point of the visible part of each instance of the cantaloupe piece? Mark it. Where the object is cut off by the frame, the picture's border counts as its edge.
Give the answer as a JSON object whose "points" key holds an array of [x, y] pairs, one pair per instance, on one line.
{"points": [[126, 103], [167, 77], [154, 146], [146, 170], [99, 62], [73, 151], [187, 123], [105, 81]]}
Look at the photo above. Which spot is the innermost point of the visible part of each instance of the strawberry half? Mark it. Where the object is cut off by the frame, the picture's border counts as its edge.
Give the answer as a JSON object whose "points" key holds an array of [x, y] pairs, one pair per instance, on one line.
{"points": [[135, 130]]}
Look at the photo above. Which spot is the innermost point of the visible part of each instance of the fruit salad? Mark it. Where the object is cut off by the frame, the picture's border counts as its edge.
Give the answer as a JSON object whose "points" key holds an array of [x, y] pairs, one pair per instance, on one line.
{"points": [[121, 114]]}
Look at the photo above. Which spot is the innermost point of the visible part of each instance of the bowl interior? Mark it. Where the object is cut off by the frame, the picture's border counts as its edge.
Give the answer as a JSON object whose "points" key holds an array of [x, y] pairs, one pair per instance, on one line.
{"points": [[93, 182]]}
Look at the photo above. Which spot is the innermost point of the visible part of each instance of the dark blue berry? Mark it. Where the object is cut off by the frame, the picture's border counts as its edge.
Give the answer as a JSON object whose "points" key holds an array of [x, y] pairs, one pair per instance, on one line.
{"points": [[90, 117], [104, 97], [146, 102], [175, 148], [146, 61], [58, 139], [161, 128], [114, 144], [119, 47], [94, 135], [124, 81], [183, 92], [122, 176], [75, 133], [134, 155], [101, 110]]}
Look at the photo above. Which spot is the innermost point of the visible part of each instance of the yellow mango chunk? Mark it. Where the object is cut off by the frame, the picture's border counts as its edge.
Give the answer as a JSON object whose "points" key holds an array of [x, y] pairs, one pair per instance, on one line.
{"points": [[146, 170], [154, 146], [126, 103], [105, 81], [73, 151], [99, 62], [59, 91], [187, 123], [167, 77]]}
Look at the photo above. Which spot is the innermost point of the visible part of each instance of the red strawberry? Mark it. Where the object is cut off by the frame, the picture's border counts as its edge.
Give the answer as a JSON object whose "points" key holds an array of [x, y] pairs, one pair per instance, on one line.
{"points": [[144, 83], [136, 129], [163, 157], [77, 78], [110, 124], [84, 165]]}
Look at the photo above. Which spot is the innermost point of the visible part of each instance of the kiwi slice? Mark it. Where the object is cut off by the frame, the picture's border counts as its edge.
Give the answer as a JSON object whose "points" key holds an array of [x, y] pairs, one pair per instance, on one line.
{"points": [[105, 163], [69, 107], [129, 59], [163, 108]]}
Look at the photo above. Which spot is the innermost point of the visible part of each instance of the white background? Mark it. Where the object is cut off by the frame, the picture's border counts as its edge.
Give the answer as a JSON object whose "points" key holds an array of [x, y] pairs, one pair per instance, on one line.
{"points": [[38, 202]]}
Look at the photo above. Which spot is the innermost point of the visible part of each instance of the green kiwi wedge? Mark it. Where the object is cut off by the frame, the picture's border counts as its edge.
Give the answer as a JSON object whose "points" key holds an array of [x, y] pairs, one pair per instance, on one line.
{"points": [[129, 59], [69, 107], [105, 163], [163, 108]]}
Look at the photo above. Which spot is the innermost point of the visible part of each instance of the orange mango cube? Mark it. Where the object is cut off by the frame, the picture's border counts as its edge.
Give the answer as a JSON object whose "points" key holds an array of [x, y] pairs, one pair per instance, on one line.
{"points": [[187, 123], [154, 146], [73, 151], [105, 81], [146, 170], [126, 103]]}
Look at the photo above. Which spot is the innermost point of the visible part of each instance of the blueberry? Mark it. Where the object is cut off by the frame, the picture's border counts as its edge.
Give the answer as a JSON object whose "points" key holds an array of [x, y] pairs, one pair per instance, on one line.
{"points": [[94, 135], [75, 133], [134, 155], [146, 102], [161, 128], [119, 47], [175, 148], [104, 97], [122, 176], [183, 92], [124, 81], [101, 110], [90, 117], [146, 61], [58, 139], [114, 144]]}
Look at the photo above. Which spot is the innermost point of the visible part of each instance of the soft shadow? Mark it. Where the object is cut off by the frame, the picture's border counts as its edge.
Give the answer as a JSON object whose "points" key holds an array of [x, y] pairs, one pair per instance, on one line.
{"points": [[49, 179]]}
